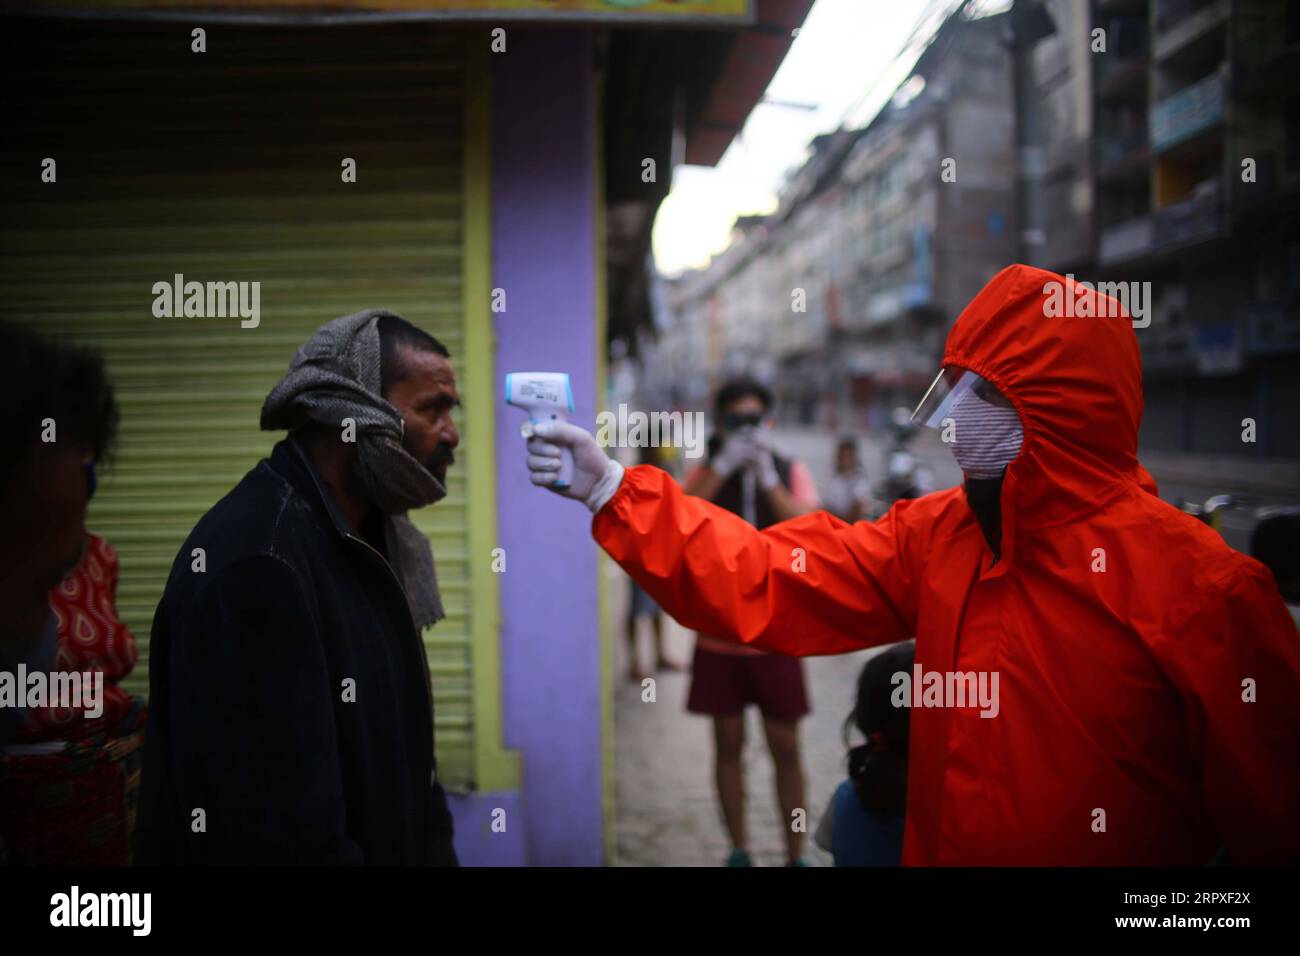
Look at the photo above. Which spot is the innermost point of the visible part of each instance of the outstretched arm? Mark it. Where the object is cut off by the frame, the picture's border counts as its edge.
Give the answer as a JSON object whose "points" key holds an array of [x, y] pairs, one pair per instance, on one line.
{"points": [[811, 585]]}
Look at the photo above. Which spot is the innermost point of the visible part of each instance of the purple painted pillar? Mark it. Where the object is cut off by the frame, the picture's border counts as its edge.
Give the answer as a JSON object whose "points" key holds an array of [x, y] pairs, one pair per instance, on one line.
{"points": [[543, 256]]}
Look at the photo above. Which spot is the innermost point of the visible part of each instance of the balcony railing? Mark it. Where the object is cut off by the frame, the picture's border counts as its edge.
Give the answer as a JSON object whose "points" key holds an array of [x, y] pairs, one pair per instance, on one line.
{"points": [[1122, 77], [1170, 12], [1189, 111], [1165, 349], [1194, 219], [1128, 240], [1272, 328], [1179, 23], [1115, 150]]}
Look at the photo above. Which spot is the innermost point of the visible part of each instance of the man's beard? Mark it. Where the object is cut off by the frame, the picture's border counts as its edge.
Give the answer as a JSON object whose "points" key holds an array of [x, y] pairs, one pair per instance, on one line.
{"points": [[439, 461]]}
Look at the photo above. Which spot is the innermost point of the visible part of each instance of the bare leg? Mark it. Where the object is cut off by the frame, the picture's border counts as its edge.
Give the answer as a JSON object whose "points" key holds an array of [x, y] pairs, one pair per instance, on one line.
{"points": [[729, 743], [634, 672], [661, 658], [783, 742]]}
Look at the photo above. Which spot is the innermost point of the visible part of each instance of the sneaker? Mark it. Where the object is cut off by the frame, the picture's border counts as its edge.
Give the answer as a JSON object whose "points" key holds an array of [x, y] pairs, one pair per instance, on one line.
{"points": [[739, 857], [799, 862]]}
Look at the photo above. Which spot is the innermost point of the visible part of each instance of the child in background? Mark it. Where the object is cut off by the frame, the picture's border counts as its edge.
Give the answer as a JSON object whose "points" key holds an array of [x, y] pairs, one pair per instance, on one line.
{"points": [[641, 604], [847, 495], [863, 824]]}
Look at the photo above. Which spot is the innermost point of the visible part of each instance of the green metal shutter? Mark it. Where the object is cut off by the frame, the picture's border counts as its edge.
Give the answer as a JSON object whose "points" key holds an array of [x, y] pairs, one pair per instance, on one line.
{"points": [[226, 166]]}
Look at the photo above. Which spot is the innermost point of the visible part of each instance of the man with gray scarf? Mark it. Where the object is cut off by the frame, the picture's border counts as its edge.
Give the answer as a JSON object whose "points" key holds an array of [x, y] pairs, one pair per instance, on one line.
{"points": [[291, 710]]}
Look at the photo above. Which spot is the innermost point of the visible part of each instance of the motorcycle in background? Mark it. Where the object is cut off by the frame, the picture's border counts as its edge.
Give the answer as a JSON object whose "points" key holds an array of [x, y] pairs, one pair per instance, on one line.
{"points": [[904, 477], [1211, 510]]}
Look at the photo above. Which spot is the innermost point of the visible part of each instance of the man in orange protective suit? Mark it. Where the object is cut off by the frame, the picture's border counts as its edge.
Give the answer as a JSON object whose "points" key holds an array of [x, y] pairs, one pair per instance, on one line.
{"points": [[1146, 677]]}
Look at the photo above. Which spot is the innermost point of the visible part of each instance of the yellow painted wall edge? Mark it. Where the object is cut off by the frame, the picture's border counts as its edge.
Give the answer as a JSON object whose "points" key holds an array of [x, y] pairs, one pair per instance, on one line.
{"points": [[495, 767]]}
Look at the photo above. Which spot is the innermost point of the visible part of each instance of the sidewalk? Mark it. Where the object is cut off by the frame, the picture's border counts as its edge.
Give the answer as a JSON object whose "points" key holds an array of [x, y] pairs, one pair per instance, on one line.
{"points": [[666, 813]]}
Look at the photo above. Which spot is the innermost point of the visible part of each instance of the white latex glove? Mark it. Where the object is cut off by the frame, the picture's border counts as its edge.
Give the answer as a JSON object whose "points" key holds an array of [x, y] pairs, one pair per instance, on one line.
{"points": [[763, 438], [738, 450], [761, 459], [749, 448], [596, 476], [764, 466]]}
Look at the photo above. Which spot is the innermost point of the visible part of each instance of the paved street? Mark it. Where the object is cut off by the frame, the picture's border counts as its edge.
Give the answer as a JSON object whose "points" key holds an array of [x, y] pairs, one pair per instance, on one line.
{"points": [[666, 812]]}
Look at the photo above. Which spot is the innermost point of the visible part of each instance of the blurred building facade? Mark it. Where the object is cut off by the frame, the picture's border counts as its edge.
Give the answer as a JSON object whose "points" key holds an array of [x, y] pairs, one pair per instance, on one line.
{"points": [[1118, 140], [841, 298], [1166, 149]]}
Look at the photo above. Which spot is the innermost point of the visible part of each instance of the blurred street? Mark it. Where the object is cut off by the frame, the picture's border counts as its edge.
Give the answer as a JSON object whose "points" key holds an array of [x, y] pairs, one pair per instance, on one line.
{"points": [[666, 813]]}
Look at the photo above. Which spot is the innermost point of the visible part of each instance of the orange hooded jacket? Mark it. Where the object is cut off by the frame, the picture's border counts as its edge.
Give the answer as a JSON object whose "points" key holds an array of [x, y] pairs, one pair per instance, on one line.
{"points": [[1148, 675]]}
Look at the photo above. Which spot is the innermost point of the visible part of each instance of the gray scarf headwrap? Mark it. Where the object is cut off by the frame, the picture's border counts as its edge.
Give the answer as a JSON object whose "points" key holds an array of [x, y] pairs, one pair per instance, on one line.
{"points": [[334, 376]]}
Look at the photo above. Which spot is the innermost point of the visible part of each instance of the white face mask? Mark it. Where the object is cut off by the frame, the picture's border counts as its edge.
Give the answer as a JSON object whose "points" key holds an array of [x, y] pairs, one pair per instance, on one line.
{"points": [[985, 437]]}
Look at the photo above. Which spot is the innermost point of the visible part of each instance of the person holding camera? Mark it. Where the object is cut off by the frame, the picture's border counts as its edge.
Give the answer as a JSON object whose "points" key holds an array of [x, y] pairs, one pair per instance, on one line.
{"points": [[746, 476]]}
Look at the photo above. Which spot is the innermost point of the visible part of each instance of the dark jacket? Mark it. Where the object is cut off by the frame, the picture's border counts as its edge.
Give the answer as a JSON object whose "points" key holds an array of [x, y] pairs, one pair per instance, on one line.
{"points": [[251, 720], [731, 495]]}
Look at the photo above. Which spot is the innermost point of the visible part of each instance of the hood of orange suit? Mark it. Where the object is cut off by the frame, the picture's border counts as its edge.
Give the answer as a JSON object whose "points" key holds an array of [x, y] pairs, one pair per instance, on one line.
{"points": [[1068, 359]]}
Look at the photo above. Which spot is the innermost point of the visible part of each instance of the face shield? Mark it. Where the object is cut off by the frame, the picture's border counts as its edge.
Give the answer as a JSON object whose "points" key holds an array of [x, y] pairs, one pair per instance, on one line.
{"points": [[977, 421]]}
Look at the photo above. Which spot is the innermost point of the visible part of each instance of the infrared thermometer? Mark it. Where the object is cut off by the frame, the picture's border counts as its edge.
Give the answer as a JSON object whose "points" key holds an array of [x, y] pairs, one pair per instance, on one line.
{"points": [[546, 397]]}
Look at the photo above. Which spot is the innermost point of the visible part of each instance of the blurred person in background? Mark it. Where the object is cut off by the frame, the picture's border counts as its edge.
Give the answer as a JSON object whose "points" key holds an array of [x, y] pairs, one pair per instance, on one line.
{"points": [[59, 418], [642, 605], [744, 475], [67, 773], [863, 823], [847, 495]]}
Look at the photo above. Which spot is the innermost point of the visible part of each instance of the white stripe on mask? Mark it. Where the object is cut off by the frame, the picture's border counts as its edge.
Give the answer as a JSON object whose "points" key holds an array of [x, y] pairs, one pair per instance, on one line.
{"points": [[986, 438]]}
